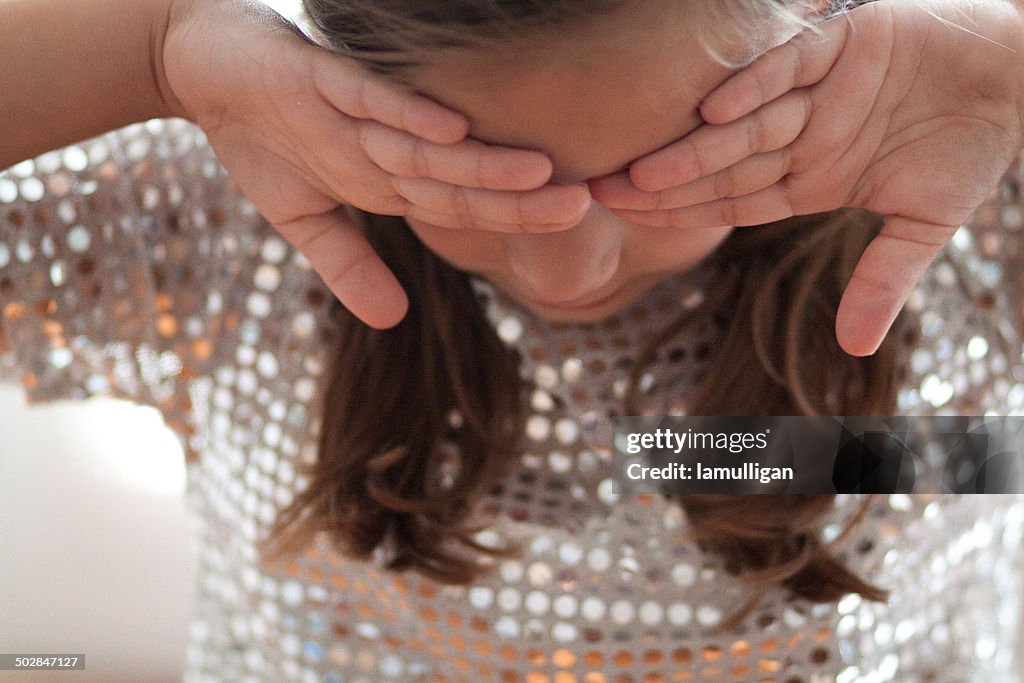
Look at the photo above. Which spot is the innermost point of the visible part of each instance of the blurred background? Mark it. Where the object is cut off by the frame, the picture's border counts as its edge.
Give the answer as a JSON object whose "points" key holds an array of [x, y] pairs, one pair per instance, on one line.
{"points": [[94, 539]]}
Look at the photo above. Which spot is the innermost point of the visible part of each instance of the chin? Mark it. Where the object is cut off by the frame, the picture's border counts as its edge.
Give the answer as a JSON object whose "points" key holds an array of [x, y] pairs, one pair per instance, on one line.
{"points": [[590, 313], [564, 316]]}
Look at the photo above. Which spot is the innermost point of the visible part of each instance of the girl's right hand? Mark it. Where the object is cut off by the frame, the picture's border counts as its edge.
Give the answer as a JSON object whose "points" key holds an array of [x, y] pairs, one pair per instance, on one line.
{"points": [[305, 133]]}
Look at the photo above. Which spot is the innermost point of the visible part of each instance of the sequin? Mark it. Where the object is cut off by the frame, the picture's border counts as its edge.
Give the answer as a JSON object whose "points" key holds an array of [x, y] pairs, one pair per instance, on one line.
{"points": [[651, 613], [572, 370], [304, 389], [57, 272], [541, 401], [24, 251], [936, 391], [508, 599], [566, 431], [75, 158], [506, 627], [921, 361], [537, 602], [481, 597], [977, 347], [538, 427], [32, 189], [216, 320], [680, 613], [539, 574], [267, 277], [599, 559], [60, 358], [684, 574], [258, 305], [510, 330], [592, 609], [8, 191], [546, 377]]}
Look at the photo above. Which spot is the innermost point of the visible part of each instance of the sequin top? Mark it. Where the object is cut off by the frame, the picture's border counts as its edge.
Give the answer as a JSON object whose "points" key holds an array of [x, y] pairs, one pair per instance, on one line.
{"points": [[131, 267]]}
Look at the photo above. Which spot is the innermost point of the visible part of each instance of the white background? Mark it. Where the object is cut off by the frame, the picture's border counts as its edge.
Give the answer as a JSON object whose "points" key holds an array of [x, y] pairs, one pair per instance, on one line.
{"points": [[94, 539]]}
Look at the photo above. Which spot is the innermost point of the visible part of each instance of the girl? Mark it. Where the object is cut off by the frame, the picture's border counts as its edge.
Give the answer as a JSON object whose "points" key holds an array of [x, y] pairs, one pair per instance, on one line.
{"points": [[433, 501]]}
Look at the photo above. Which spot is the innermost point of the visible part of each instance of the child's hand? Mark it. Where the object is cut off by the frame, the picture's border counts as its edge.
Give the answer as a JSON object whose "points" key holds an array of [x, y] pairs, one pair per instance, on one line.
{"points": [[305, 132], [893, 110]]}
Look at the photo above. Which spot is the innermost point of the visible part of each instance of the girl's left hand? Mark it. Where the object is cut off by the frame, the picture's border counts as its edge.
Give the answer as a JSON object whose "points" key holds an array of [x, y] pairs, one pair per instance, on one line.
{"points": [[893, 109]]}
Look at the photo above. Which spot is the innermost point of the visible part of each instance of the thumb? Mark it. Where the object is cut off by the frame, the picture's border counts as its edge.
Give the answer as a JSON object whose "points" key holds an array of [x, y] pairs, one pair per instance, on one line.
{"points": [[339, 253], [882, 281]]}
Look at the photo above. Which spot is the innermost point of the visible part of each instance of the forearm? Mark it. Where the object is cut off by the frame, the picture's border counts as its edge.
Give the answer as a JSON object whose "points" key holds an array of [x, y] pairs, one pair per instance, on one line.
{"points": [[71, 69]]}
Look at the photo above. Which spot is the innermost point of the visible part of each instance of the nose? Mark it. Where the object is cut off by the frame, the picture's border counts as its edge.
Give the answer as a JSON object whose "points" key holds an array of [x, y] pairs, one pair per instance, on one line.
{"points": [[564, 266]]}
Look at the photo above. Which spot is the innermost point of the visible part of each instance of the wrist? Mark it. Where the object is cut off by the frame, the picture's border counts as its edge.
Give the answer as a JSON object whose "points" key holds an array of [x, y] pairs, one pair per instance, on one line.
{"points": [[198, 53], [171, 14]]}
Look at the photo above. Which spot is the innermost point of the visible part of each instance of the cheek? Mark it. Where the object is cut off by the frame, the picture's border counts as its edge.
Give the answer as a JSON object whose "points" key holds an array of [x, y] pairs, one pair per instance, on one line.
{"points": [[472, 250]]}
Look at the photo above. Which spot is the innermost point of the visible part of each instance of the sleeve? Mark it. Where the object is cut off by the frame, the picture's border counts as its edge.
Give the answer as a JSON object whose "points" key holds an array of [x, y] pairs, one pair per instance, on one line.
{"points": [[112, 260]]}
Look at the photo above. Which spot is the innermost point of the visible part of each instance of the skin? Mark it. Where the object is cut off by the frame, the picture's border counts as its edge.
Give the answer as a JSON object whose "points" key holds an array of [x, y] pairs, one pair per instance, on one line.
{"points": [[594, 99], [910, 111]]}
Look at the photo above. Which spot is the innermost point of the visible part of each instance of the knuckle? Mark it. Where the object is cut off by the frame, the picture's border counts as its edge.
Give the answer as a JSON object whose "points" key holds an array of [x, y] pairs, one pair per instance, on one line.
{"points": [[420, 161], [689, 150], [460, 201], [785, 160], [797, 65], [758, 73], [725, 183], [808, 103], [480, 174], [464, 221], [728, 212], [350, 270], [388, 205], [361, 98], [364, 138], [662, 201], [758, 137]]}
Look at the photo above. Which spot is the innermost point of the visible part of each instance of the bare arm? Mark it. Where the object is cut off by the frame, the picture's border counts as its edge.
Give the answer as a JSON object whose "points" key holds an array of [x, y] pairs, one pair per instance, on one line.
{"points": [[71, 70]]}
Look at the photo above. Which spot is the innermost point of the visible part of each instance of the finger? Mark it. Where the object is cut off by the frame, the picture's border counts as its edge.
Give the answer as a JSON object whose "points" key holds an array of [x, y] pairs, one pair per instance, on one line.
{"points": [[801, 62], [710, 149], [764, 206], [552, 204], [883, 279], [618, 191], [356, 91], [469, 163], [748, 176], [348, 265], [461, 221]]}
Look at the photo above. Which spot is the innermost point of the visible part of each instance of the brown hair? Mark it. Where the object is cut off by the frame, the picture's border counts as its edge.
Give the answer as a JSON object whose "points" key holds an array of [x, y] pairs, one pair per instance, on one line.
{"points": [[421, 420]]}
